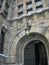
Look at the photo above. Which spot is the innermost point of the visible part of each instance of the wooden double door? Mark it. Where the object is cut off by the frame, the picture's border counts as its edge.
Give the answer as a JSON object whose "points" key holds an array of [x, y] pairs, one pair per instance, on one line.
{"points": [[35, 54]]}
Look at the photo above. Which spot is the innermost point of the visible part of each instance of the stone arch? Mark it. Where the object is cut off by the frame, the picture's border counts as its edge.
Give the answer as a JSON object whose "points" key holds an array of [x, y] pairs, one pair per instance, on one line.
{"points": [[25, 40]]}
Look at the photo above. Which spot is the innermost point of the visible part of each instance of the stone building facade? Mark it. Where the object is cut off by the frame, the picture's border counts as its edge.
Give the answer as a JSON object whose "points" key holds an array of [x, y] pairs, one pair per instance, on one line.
{"points": [[26, 33]]}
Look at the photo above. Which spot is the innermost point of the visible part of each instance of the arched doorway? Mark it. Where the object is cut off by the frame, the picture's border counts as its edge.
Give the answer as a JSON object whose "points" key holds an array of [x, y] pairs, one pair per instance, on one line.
{"points": [[35, 53], [38, 40]]}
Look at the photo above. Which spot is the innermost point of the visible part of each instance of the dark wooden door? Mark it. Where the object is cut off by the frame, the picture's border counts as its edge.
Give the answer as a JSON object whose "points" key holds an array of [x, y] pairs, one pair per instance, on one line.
{"points": [[29, 54], [35, 54]]}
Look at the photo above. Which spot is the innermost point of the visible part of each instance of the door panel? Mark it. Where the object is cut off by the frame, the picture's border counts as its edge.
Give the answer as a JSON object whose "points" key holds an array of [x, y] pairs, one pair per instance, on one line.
{"points": [[29, 55], [35, 54], [43, 54]]}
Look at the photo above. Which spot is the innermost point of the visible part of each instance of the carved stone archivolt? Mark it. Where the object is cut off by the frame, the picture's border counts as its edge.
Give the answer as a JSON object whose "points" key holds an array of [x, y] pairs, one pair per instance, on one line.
{"points": [[17, 51]]}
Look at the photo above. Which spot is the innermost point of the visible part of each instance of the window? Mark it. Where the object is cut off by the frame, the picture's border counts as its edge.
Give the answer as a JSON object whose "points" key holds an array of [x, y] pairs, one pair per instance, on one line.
{"points": [[38, 2], [20, 14], [6, 10], [29, 4], [39, 8], [7, 6], [1, 3], [5, 14], [20, 10], [29, 7], [20, 7], [1, 41], [29, 11]]}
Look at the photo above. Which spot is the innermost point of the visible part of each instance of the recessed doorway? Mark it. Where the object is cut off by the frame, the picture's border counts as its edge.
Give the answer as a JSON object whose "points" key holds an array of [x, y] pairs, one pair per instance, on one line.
{"points": [[35, 53]]}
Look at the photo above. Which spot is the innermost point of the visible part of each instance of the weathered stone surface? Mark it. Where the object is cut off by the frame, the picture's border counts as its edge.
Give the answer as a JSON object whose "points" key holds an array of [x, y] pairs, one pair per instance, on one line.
{"points": [[15, 38]]}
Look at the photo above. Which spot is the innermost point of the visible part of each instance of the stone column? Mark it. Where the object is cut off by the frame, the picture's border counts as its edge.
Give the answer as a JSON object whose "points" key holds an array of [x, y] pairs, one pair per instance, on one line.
{"points": [[16, 10], [24, 7], [34, 9], [33, 5], [24, 12], [44, 3]]}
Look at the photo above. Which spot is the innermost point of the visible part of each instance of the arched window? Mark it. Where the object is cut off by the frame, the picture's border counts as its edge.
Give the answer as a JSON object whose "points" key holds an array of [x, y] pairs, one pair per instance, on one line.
{"points": [[1, 41]]}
